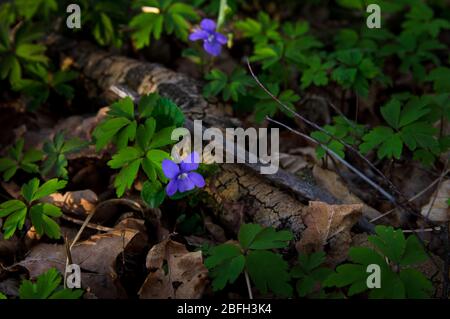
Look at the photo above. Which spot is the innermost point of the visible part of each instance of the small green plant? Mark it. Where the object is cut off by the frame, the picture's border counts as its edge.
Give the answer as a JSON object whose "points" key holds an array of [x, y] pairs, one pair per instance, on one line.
{"points": [[2, 296], [122, 121], [292, 46], [30, 9], [145, 152], [267, 106], [267, 269], [439, 76], [103, 17], [311, 275], [40, 214], [354, 71], [262, 30], [316, 72], [394, 255], [418, 41], [47, 286], [420, 20], [17, 159], [55, 161], [166, 16], [407, 126], [18, 49], [370, 40], [232, 86], [343, 129], [149, 128], [43, 82]]}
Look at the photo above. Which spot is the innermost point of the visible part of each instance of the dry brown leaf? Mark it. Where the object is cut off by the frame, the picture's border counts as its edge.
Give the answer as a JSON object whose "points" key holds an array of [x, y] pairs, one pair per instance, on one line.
{"points": [[325, 221], [439, 211], [80, 203], [332, 182], [95, 256], [186, 276]]}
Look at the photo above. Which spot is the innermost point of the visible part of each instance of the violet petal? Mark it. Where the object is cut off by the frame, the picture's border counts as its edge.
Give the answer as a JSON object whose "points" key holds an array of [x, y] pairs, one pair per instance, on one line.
{"points": [[190, 163], [208, 25], [213, 48], [170, 169], [172, 187], [222, 39], [185, 184], [198, 35], [197, 179]]}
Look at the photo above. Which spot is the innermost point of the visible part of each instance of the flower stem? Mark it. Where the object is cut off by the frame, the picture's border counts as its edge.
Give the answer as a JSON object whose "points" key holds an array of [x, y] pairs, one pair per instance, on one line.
{"points": [[221, 17]]}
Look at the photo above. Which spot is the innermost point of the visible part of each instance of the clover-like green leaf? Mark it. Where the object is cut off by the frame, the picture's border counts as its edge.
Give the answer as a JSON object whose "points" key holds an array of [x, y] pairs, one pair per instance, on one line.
{"points": [[269, 271], [225, 264], [47, 286], [253, 236]]}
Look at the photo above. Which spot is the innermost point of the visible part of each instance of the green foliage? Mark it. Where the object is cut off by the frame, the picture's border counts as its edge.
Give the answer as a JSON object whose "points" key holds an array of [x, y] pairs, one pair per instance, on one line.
{"points": [[149, 128], [55, 162], [343, 129], [2, 296], [121, 124], [354, 71], [388, 6], [18, 49], [369, 40], [144, 153], [262, 30], [414, 53], [395, 255], [267, 270], [231, 86], [41, 214], [119, 127], [18, 159], [267, 106], [420, 21], [407, 126], [316, 73], [311, 275], [417, 42], [153, 193], [173, 17], [292, 44], [43, 82], [30, 9], [103, 18], [439, 76], [47, 286]]}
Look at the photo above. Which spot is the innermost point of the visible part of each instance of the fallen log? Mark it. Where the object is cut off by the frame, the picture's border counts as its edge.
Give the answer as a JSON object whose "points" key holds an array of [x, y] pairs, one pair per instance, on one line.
{"points": [[272, 200]]}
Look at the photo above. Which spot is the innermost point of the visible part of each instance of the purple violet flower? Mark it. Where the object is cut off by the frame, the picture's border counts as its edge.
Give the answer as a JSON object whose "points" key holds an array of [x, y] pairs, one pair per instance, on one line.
{"points": [[212, 40], [182, 178]]}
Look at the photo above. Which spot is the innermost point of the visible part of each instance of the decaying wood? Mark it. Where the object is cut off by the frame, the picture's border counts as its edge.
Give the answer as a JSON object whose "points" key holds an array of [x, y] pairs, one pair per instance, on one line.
{"points": [[272, 200]]}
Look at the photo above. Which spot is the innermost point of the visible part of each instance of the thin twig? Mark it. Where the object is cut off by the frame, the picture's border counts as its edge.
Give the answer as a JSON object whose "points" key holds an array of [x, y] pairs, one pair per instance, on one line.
{"points": [[340, 159], [88, 225], [419, 194], [249, 287], [350, 147], [423, 230]]}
